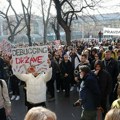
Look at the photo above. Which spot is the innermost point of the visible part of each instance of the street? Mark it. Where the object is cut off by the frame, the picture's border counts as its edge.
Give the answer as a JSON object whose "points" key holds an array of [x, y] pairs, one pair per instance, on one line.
{"points": [[62, 106]]}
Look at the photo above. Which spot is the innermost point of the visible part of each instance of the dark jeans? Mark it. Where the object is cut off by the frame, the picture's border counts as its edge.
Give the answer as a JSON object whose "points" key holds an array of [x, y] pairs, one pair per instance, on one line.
{"points": [[88, 115], [30, 105], [14, 85], [50, 86], [59, 82], [2, 114], [113, 95], [67, 85]]}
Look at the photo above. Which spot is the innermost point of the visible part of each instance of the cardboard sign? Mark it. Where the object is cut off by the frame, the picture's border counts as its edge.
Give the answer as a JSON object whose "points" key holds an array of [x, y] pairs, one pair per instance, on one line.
{"points": [[24, 58], [6, 47]]}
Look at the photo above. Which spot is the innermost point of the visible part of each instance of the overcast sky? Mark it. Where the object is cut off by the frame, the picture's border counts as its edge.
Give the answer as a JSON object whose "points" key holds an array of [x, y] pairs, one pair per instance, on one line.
{"points": [[109, 6]]}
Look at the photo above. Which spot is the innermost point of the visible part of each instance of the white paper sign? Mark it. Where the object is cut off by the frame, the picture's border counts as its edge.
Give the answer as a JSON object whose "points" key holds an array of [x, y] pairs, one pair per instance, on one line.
{"points": [[23, 58], [111, 31]]}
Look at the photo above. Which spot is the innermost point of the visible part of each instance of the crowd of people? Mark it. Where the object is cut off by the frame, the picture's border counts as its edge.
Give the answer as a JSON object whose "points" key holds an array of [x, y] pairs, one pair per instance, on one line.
{"points": [[92, 68]]}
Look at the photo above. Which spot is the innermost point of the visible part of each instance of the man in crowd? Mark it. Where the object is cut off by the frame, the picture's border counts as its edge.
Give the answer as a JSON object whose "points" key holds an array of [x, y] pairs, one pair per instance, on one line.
{"points": [[111, 66]]}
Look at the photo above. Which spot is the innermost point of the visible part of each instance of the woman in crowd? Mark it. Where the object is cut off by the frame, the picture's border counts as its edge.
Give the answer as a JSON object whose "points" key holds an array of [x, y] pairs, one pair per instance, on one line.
{"points": [[35, 86], [40, 113], [5, 104]]}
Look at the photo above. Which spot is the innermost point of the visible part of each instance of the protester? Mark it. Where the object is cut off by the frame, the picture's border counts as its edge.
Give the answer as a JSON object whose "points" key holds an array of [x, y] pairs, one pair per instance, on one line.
{"points": [[89, 94], [35, 86], [5, 104], [15, 87], [67, 71], [59, 83], [83, 61], [105, 84], [50, 83], [40, 113], [111, 66]]}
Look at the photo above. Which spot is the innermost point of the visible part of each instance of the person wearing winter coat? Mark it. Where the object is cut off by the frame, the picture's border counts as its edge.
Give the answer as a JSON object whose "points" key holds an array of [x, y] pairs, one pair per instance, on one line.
{"points": [[111, 66], [35, 86], [90, 95], [5, 104], [105, 84], [66, 71]]}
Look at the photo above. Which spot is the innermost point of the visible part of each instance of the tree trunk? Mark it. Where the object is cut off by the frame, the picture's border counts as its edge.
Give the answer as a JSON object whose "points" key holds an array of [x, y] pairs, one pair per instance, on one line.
{"points": [[29, 39], [45, 35], [29, 31], [58, 32], [68, 36], [11, 38], [57, 35]]}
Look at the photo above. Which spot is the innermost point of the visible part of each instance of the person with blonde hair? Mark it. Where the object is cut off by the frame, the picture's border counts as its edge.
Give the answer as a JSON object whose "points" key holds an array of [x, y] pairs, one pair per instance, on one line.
{"points": [[113, 114], [40, 113]]}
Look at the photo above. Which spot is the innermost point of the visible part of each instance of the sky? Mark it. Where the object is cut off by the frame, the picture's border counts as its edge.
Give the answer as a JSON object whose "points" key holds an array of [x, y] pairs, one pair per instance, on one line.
{"points": [[108, 6]]}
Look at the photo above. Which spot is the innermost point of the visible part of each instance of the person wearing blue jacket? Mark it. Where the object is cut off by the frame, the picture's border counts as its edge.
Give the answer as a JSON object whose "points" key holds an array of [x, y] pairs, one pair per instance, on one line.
{"points": [[89, 94]]}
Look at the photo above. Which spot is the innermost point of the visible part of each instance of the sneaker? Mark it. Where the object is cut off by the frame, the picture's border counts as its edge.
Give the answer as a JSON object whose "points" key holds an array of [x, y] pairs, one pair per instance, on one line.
{"points": [[72, 88], [58, 91], [17, 98], [13, 97]]}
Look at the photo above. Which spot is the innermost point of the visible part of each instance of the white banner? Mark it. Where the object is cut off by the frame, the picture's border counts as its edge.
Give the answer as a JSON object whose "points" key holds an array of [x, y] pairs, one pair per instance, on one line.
{"points": [[24, 58], [111, 31]]}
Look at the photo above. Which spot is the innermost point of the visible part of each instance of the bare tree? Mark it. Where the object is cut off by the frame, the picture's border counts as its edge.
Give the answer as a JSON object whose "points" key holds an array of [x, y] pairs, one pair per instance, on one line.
{"points": [[45, 17], [56, 27], [27, 18], [12, 25], [66, 16]]}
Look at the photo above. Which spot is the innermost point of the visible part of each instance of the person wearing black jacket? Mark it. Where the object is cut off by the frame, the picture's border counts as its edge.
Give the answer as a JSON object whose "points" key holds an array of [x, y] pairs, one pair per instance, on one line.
{"points": [[111, 66], [105, 84], [67, 71], [50, 83]]}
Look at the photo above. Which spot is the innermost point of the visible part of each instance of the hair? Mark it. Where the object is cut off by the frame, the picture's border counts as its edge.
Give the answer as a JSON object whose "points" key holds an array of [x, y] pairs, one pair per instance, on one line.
{"points": [[107, 51], [98, 62], [85, 68], [110, 47], [118, 51], [113, 114], [84, 55], [40, 113]]}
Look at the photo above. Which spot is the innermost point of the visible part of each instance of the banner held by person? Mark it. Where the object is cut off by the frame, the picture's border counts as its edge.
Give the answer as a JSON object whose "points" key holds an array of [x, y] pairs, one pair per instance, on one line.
{"points": [[111, 31], [24, 58]]}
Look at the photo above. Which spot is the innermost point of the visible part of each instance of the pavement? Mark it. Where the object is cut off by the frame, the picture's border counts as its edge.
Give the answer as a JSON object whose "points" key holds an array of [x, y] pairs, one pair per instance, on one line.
{"points": [[62, 106]]}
